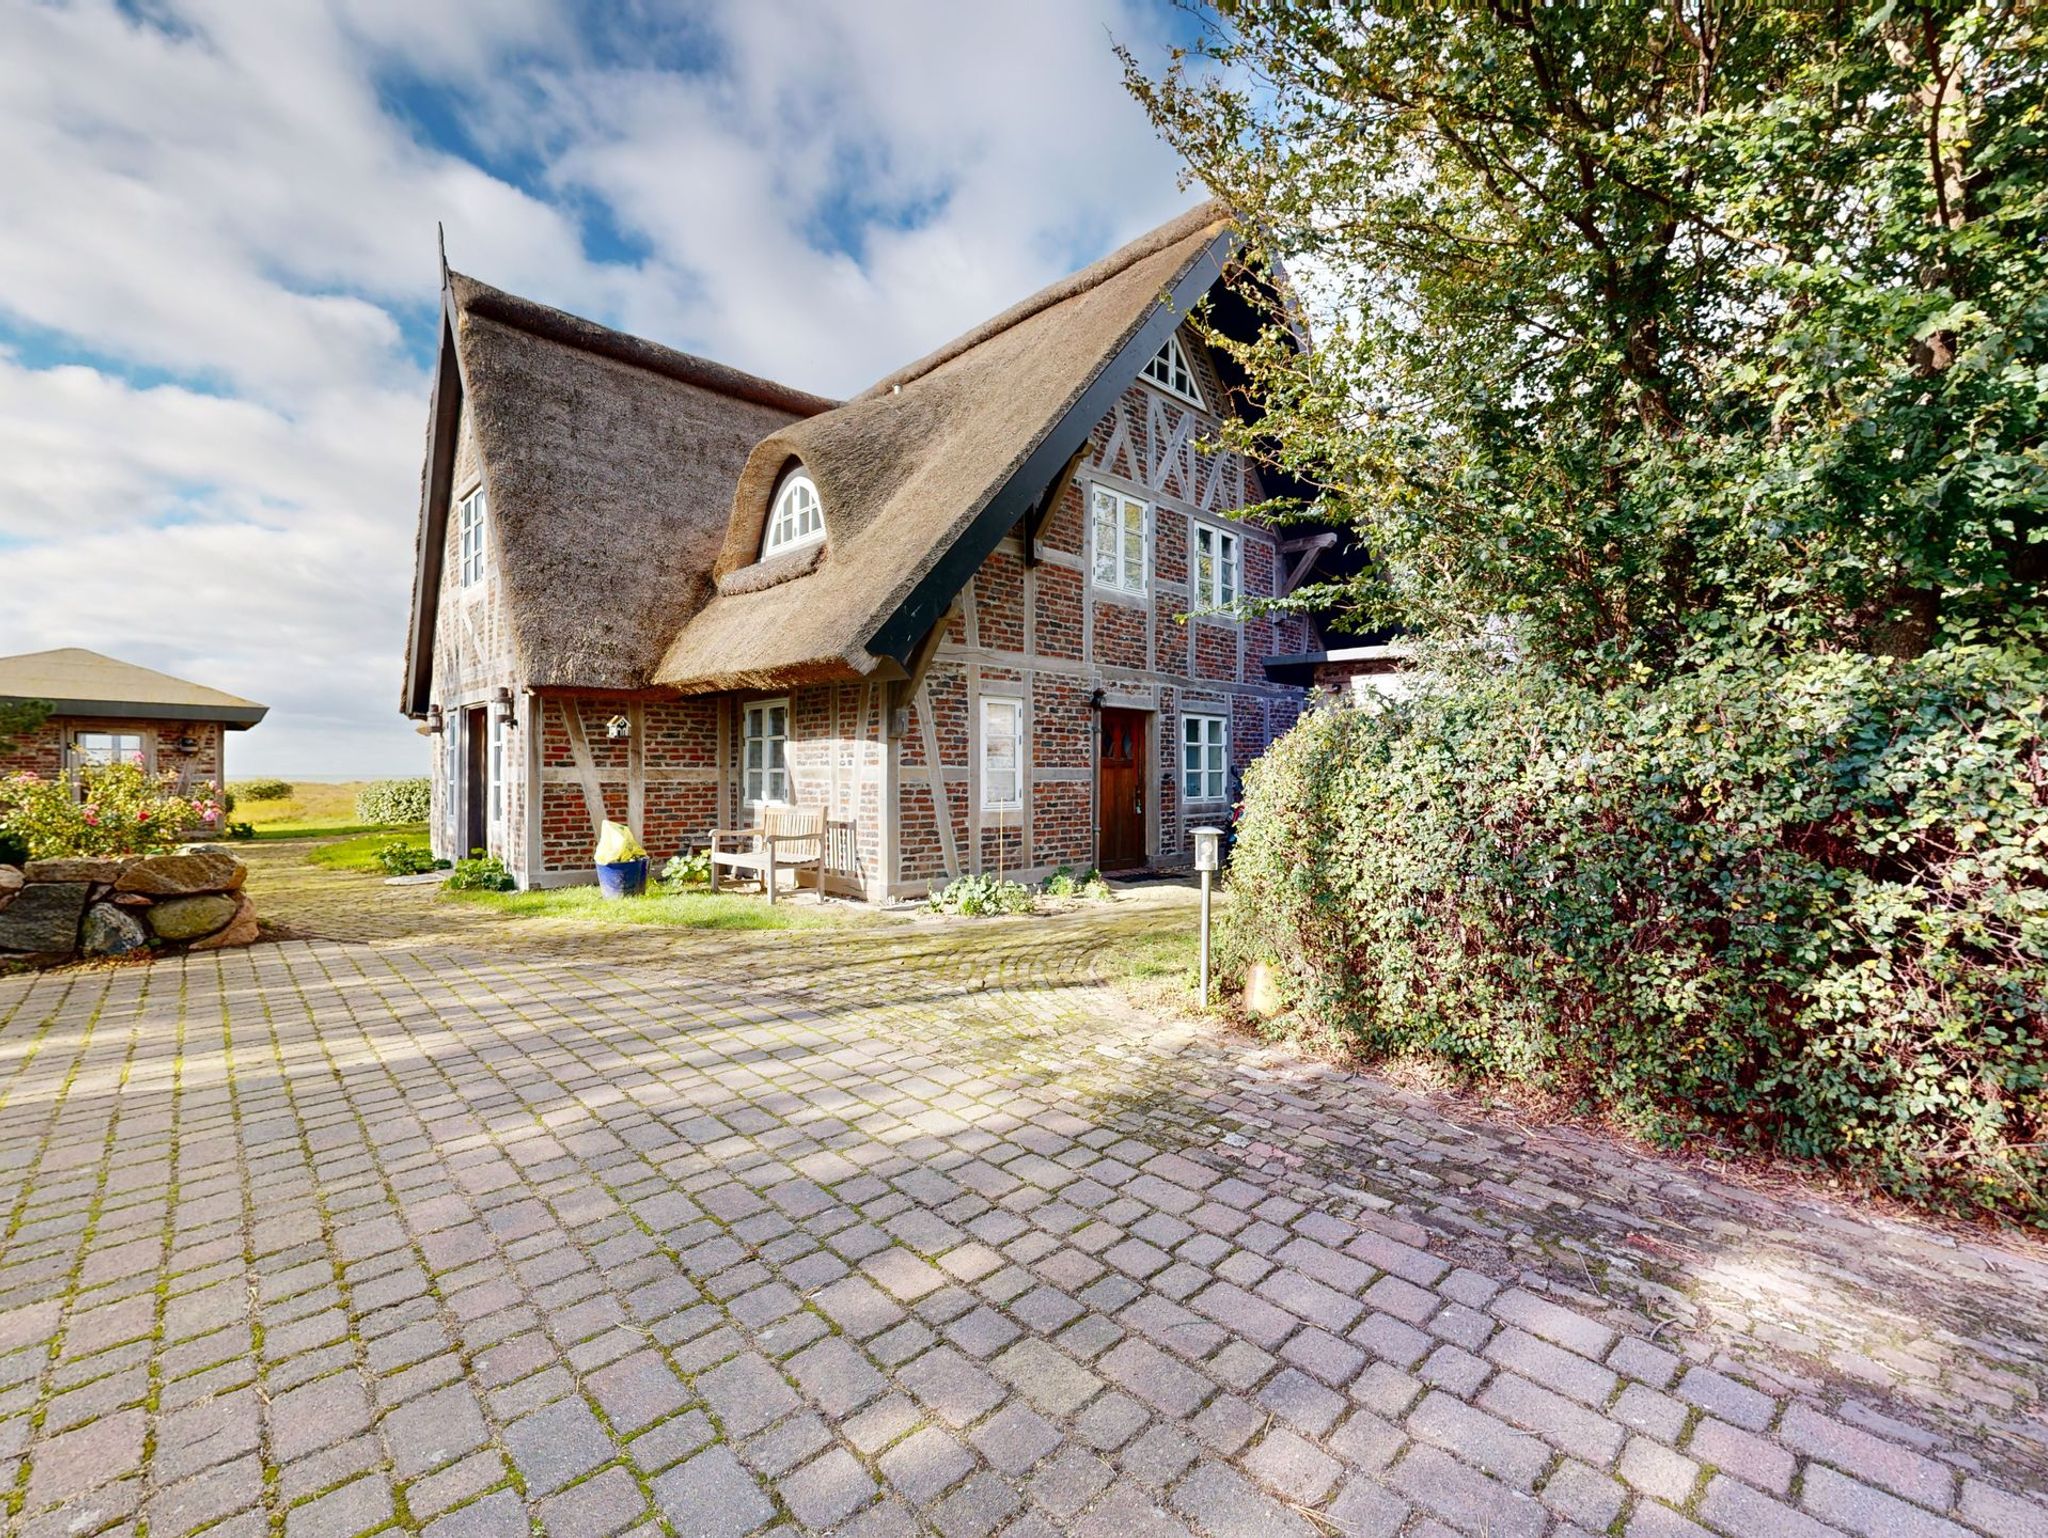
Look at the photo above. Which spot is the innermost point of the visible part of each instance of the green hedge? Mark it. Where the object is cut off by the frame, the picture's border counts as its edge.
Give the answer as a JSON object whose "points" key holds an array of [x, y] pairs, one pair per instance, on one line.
{"points": [[1801, 904], [395, 801]]}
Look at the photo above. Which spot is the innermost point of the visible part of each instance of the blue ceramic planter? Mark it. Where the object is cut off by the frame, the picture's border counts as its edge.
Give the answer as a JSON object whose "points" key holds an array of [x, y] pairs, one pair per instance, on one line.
{"points": [[623, 878]]}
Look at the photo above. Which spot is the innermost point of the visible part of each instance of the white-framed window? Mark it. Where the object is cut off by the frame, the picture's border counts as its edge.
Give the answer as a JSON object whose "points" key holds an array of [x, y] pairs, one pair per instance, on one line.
{"points": [[764, 752], [1170, 371], [1002, 753], [796, 519], [496, 792], [474, 521], [451, 789], [96, 750], [1121, 531], [1205, 757], [1219, 570]]}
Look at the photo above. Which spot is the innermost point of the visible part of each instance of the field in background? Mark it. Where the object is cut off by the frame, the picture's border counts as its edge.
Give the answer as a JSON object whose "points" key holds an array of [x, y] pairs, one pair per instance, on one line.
{"points": [[311, 811]]}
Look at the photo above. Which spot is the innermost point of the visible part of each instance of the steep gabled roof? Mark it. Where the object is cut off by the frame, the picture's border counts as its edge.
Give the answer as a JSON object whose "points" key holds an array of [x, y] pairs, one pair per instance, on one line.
{"points": [[80, 682], [922, 474], [608, 463]]}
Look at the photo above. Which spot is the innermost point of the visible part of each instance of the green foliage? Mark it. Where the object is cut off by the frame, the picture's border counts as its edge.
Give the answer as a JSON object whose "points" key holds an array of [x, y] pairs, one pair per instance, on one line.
{"points": [[407, 854], [241, 831], [479, 873], [686, 869], [20, 717], [262, 790], [982, 896], [1799, 903], [1639, 327], [391, 803], [1065, 883], [406, 857], [123, 810]]}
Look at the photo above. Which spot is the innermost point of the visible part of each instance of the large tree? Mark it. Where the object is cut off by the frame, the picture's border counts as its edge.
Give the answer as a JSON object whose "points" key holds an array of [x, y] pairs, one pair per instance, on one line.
{"points": [[1642, 324]]}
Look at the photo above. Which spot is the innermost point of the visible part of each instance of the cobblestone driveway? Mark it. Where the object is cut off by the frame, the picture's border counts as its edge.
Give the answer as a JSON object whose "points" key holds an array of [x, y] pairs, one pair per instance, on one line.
{"points": [[485, 1229]]}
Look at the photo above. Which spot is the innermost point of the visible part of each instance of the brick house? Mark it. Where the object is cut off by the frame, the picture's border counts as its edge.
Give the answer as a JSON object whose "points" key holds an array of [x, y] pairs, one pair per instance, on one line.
{"points": [[107, 711], [980, 614]]}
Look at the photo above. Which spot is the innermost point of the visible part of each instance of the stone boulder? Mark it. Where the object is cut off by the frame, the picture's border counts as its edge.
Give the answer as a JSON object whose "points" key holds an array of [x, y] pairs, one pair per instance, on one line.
{"points": [[10, 883], [112, 931], [241, 930], [104, 870], [179, 875], [187, 918], [43, 918]]}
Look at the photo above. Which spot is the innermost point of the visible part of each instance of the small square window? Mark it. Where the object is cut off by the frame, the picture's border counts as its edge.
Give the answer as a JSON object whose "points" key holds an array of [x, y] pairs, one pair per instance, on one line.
{"points": [[1205, 757]]}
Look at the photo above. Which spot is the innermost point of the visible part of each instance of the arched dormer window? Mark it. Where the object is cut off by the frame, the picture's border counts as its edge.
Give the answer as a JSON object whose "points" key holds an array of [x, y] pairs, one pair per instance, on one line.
{"points": [[796, 519]]}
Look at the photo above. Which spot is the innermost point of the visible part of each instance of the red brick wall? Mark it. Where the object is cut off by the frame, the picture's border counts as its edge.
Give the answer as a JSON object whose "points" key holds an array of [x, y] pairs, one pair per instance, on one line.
{"points": [[42, 752]]}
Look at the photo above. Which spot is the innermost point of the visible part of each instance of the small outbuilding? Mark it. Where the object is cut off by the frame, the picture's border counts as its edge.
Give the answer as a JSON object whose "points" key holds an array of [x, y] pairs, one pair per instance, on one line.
{"points": [[106, 711]]}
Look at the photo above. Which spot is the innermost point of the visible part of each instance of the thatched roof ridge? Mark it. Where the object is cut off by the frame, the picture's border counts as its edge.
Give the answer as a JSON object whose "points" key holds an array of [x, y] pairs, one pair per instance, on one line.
{"points": [[909, 467], [475, 297]]}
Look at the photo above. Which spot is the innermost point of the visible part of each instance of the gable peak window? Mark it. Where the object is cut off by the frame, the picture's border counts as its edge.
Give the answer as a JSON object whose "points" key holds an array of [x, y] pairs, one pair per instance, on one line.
{"points": [[1169, 369], [797, 518], [474, 511]]}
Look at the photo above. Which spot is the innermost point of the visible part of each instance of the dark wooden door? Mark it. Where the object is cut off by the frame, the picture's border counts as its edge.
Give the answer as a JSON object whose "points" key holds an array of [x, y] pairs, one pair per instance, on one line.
{"points": [[1120, 791], [476, 787]]}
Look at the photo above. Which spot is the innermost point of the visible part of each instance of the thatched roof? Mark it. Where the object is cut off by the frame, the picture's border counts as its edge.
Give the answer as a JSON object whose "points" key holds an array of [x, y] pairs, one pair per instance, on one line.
{"points": [[77, 682], [924, 472], [609, 464]]}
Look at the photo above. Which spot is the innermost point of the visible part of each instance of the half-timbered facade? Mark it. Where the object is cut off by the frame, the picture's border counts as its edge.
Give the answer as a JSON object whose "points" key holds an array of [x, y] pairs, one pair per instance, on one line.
{"points": [[985, 615]]}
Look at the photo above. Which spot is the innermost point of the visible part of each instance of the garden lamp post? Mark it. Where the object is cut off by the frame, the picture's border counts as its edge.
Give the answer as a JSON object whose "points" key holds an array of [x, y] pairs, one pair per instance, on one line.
{"points": [[1208, 853]]}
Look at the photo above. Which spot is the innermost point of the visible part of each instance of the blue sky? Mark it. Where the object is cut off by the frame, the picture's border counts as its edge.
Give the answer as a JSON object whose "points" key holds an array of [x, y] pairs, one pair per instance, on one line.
{"points": [[218, 275]]}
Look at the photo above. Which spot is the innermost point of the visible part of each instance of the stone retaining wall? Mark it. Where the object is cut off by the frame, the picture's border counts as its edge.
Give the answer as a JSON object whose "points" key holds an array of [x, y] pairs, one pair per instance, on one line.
{"points": [[53, 911]]}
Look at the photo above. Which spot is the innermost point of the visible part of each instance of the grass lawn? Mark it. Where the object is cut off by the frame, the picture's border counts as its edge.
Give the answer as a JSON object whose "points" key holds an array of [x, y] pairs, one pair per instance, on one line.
{"points": [[688, 909], [310, 811], [360, 852], [1156, 959]]}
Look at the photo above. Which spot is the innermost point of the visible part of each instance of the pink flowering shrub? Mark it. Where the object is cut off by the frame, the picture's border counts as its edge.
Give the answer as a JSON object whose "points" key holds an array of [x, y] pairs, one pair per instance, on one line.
{"points": [[123, 810]]}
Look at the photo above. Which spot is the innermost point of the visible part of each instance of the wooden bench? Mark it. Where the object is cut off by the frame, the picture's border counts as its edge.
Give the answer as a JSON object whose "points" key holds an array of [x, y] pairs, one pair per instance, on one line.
{"points": [[790, 838]]}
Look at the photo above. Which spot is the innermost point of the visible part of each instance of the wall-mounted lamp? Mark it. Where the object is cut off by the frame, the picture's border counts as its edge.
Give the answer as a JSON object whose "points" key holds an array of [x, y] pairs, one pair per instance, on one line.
{"points": [[186, 745], [1095, 700], [435, 724], [501, 705], [618, 726]]}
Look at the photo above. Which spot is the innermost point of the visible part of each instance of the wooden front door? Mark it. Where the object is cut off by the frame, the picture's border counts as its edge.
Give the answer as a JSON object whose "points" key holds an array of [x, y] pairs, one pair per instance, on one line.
{"points": [[1120, 791], [476, 780]]}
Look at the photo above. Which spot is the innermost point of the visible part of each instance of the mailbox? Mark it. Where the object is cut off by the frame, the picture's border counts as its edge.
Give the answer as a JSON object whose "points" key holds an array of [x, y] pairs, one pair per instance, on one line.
{"points": [[1208, 848]]}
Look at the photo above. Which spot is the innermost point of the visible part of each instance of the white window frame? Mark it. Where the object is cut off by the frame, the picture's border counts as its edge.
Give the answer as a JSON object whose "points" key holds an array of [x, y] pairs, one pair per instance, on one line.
{"points": [[1113, 509], [451, 796], [1202, 781], [77, 763], [1226, 560], [992, 800], [494, 788], [765, 784], [1170, 370], [475, 511], [796, 518]]}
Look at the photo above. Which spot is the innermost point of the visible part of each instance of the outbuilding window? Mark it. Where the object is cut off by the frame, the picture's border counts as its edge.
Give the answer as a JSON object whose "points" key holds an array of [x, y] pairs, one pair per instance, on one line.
{"points": [[1205, 757], [497, 782], [764, 750], [1170, 371], [1218, 572], [796, 519], [1121, 527], [474, 510], [1002, 753]]}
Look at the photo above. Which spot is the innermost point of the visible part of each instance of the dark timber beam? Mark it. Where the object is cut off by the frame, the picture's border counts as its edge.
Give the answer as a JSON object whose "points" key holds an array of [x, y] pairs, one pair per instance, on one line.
{"points": [[1034, 521], [903, 690]]}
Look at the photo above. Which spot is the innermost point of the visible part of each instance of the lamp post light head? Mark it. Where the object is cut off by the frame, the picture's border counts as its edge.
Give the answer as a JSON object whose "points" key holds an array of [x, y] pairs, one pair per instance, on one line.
{"points": [[501, 706], [1208, 848]]}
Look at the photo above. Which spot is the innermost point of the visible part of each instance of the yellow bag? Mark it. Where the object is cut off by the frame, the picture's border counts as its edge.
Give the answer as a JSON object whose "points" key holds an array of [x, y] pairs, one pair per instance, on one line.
{"points": [[615, 842]]}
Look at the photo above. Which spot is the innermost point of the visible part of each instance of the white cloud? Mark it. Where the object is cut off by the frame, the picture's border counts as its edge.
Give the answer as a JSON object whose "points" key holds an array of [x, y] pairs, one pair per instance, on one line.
{"points": [[217, 268]]}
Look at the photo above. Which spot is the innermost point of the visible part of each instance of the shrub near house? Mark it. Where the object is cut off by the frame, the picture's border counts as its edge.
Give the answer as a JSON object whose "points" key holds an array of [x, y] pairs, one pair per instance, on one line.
{"points": [[1803, 902]]}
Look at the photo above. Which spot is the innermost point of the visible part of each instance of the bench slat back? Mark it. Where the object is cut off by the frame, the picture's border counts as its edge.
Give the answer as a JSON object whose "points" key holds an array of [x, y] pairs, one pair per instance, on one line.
{"points": [[799, 831]]}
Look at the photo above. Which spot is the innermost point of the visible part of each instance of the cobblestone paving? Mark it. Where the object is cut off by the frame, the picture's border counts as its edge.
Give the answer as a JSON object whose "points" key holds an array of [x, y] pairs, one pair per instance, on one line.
{"points": [[431, 1220]]}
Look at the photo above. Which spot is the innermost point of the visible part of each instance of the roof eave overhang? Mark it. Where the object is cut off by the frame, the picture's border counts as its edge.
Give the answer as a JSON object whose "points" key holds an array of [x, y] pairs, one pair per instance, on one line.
{"points": [[234, 717], [444, 418], [897, 637]]}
